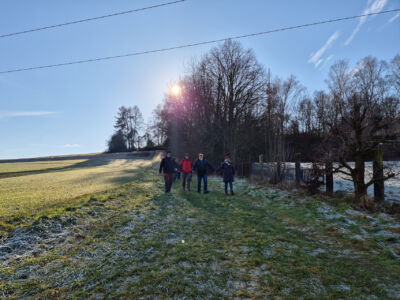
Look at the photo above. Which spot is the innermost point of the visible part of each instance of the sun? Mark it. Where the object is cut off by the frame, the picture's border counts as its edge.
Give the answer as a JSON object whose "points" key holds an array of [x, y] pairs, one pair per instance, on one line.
{"points": [[175, 90]]}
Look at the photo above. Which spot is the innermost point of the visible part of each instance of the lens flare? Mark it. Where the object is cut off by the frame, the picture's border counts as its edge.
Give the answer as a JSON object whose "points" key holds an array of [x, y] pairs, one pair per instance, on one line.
{"points": [[175, 90]]}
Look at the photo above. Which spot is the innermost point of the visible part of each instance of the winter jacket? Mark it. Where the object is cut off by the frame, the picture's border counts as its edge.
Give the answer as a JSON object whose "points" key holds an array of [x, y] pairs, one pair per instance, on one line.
{"points": [[227, 170], [201, 167], [186, 165], [167, 165]]}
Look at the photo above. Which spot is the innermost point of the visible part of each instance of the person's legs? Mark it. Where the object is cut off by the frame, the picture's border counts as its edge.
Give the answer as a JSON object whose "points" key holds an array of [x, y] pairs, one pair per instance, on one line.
{"points": [[231, 187], [170, 182], [205, 183], [226, 187], [166, 182], [189, 179], [184, 176], [198, 183]]}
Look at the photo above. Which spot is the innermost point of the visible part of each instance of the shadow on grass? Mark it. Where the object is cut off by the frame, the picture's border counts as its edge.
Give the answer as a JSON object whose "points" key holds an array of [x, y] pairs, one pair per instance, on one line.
{"points": [[89, 163], [128, 175], [126, 188]]}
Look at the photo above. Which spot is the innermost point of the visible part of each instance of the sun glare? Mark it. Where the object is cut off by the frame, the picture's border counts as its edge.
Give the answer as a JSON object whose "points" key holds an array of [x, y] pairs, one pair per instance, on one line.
{"points": [[175, 90]]}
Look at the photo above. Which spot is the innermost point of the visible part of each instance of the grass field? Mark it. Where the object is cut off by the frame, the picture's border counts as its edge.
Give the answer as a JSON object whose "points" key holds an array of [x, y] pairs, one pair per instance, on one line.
{"points": [[20, 167], [38, 188], [134, 241]]}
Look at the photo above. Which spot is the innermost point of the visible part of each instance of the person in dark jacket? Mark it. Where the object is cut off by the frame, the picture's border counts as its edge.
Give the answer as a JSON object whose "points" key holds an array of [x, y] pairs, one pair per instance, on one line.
{"points": [[168, 167], [228, 172], [201, 166], [177, 173], [186, 169]]}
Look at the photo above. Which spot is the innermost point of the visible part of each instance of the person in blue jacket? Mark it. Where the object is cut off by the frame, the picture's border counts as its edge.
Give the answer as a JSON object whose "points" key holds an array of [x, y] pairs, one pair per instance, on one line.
{"points": [[201, 166]]}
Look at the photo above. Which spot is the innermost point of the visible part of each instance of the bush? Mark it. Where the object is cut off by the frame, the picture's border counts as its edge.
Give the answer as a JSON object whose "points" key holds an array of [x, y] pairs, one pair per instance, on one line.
{"points": [[117, 143]]}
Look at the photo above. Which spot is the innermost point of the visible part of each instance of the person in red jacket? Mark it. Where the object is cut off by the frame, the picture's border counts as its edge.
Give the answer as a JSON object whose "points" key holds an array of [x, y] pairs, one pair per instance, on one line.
{"points": [[186, 171]]}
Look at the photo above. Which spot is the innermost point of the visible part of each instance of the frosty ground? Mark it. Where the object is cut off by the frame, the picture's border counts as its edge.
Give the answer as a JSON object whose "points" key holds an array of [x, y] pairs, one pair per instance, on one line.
{"points": [[261, 243], [343, 183]]}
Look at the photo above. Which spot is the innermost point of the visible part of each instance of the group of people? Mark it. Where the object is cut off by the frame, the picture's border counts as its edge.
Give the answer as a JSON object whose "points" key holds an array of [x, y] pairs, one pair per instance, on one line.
{"points": [[170, 168]]}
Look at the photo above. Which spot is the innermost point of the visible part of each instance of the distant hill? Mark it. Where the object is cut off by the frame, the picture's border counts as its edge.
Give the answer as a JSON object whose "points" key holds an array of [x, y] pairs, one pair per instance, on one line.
{"points": [[119, 155]]}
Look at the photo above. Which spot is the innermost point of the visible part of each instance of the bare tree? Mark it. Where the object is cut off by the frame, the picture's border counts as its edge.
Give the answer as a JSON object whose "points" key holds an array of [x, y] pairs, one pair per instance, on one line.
{"points": [[129, 123], [357, 120], [157, 126], [135, 118], [321, 103], [239, 84], [219, 95], [395, 74], [282, 98], [306, 111]]}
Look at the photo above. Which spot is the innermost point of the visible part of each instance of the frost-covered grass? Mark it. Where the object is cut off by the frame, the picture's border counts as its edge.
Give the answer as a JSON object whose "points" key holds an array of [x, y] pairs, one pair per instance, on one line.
{"points": [[261, 243], [392, 186], [342, 182]]}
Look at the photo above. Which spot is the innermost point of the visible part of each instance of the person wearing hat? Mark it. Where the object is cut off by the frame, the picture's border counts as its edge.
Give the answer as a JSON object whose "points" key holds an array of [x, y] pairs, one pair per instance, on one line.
{"points": [[168, 167], [228, 171], [201, 166], [185, 166]]}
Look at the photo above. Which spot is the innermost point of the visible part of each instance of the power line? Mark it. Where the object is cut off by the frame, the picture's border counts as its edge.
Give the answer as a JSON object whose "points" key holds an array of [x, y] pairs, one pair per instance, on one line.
{"points": [[91, 19], [196, 44]]}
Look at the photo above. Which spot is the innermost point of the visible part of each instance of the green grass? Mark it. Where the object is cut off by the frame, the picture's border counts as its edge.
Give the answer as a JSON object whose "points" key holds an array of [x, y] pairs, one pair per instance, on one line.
{"points": [[260, 243], [37, 187], [36, 165]]}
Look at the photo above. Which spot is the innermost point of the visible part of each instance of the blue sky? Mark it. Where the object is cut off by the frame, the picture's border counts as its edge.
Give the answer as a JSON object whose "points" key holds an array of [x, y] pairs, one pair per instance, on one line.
{"points": [[71, 109]]}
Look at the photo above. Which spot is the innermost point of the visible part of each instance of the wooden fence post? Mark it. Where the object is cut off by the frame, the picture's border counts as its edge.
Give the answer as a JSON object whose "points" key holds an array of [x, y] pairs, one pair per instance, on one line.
{"points": [[379, 185], [278, 169], [260, 160], [297, 168], [329, 175]]}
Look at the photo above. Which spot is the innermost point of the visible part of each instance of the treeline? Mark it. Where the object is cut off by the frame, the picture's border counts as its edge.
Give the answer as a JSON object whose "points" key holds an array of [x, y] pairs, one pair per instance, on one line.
{"points": [[228, 102], [132, 133]]}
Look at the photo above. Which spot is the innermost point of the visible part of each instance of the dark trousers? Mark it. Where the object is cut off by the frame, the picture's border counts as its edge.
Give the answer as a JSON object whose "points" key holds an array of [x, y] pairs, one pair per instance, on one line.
{"points": [[199, 177], [168, 181], [177, 176], [230, 185], [186, 178]]}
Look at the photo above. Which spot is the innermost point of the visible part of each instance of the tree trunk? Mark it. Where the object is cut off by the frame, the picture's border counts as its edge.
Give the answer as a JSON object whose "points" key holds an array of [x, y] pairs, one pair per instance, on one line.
{"points": [[360, 188], [329, 175], [297, 168], [379, 186]]}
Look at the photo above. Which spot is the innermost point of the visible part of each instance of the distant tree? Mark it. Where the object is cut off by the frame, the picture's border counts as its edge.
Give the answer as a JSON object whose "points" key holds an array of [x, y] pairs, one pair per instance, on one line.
{"points": [[136, 124], [117, 143], [321, 103], [146, 138], [395, 74], [157, 126], [278, 111], [306, 112], [129, 123], [122, 125]]}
